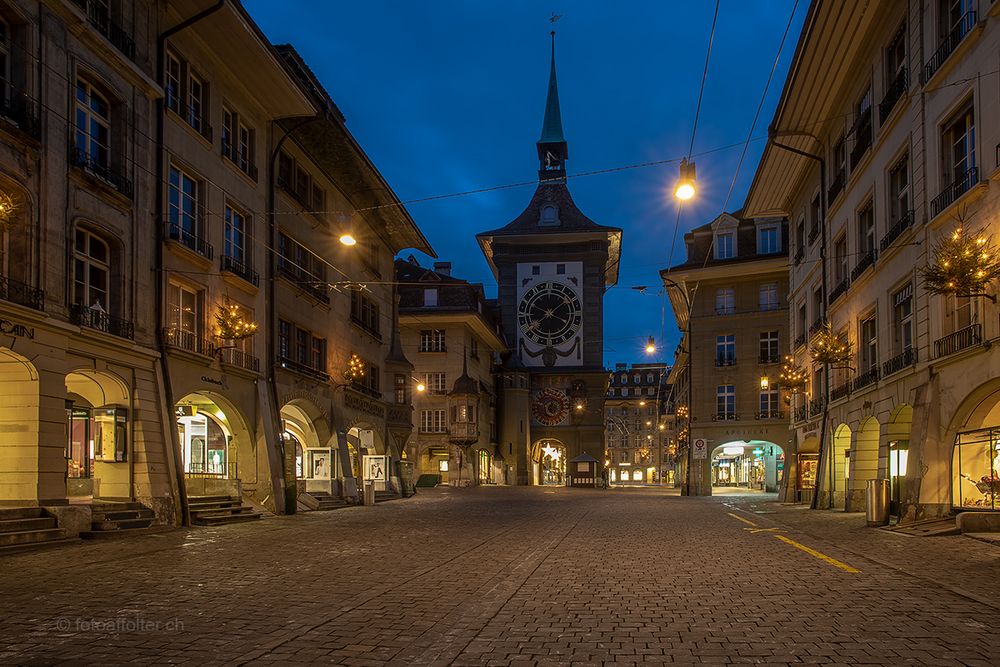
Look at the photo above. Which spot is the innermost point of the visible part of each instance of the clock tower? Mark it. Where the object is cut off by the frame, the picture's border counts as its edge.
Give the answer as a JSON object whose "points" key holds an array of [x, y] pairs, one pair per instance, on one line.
{"points": [[553, 265]]}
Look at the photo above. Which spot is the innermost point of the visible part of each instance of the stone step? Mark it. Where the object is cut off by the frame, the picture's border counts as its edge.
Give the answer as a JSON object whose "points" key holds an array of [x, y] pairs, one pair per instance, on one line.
{"points": [[35, 523], [22, 513], [115, 506], [119, 525], [229, 502], [30, 546], [222, 511], [117, 534], [325, 505], [31, 536], [385, 496], [208, 499], [221, 519]]}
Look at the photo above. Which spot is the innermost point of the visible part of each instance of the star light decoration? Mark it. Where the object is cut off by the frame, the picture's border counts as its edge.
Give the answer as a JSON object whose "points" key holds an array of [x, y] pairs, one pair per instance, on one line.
{"points": [[828, 348], [8, 211], [231, 325], [963, 265], [355, 368]]}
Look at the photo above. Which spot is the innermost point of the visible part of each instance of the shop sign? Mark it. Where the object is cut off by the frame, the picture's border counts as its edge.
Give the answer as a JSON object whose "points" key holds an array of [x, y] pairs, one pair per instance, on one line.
{"points": [[362, 403], [376, 468], [211, 380], [700, 448], [15, 329]]}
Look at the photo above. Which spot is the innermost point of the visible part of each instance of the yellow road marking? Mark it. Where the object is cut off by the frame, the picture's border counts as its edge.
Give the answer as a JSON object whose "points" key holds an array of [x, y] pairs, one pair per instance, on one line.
{"points": [[812, 552], [754, 531], [739, 518]]}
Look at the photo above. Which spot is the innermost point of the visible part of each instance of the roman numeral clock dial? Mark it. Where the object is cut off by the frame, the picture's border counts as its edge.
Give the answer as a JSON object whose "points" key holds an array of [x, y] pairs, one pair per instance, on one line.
{"points": [[549, 314]]}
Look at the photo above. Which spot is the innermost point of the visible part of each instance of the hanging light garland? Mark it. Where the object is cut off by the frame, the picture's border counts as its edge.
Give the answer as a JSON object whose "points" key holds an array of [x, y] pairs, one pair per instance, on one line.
{"points": [[355, 368], [231, 325], [828, 348], [792, 377], [8, 211], [963, 265]]}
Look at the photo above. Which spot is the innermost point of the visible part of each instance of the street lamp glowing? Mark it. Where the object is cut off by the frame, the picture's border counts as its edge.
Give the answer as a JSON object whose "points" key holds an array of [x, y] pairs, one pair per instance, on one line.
{"points": [[685, 188], [348, 240], [421, 387], [650, 346]]}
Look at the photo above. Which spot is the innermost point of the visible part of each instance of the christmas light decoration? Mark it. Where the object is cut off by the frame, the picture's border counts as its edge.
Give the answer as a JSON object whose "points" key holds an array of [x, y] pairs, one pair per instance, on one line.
{"points": [[231, 325], [8, 211], [355, 368], [792, 377], [828, 348], [962, 265]]}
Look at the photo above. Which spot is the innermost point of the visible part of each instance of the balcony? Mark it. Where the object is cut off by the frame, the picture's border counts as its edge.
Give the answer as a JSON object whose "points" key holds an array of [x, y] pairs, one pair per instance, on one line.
{"points": [[896, 230], [871, 376], [463, 432], [242, 162], [188, 114], [240, 359], [98, 16], [899, 362], [188, 340], [177, 233], [769, 414], [862, 138], [800, 414], [725, 360], [21, 111], [303, 369], [241, 269], [958, 341], [799, 341], [366, 327], [102, 171], [799, 254], [840, 391], [954, 190], [813, 234], [815, 407], [949, 44], [308, 283], [91, 318], [867, 260], [836, 185], [725, 417], [725, 310], [816, 326], [840, 290], [896, 91], [21, 294], [765, 359]]}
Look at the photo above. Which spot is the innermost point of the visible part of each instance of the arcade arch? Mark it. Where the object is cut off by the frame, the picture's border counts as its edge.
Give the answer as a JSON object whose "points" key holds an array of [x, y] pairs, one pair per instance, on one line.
{"points": [[864, 462], [897, 433], [976, 452], [548, 460], [19, 427], [363, 439], [97, 427], [218, 450], [841, 465], [749, 464], [315, 459]]}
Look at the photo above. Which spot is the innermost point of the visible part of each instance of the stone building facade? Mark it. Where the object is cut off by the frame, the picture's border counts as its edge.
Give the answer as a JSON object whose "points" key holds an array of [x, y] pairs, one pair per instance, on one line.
{"points": [[637, 442], [879, 149], [729, 299], [450, 330]]}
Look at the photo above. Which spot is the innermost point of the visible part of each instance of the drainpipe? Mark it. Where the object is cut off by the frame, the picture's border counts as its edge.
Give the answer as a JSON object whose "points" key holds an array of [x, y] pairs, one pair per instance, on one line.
{"points": [[161, 42], [772, 135]]}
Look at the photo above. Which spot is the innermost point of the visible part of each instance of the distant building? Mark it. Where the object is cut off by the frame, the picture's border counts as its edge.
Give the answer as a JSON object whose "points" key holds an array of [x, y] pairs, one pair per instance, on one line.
{"points": [[730, 299], [638, 449]]}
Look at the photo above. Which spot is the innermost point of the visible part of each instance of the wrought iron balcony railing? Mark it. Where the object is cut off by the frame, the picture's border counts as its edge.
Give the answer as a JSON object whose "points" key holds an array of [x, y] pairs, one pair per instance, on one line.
{"points": [[954, 190], [958, 341], [816, 326], [242, 162], [769, 414], [239, 358], [114, 177], [862, 138], [769, 359], [85, 316], [868, 259], [725, 360], [800, 340], [190, 115], [949, 44], [99, 17], [190, 240], [840, 290], [799, 254], [20, 110], [188, 340], [871, 376], [241, 269], [840, 391], [21, 294], [899, 362], [898, 228], [308, 283], [801, 413], [725, 417], [815, 407], [304, 369], [896, 91]]}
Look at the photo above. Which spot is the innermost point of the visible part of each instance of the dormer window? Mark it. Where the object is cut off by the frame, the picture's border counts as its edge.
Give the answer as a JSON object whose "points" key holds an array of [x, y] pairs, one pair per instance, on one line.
{"points": [[550, 215], [768, 238], [725, 245]]}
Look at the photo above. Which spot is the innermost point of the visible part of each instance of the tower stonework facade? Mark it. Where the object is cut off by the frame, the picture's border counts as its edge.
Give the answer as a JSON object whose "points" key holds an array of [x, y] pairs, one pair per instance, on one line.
{"points": [[552, 264]]}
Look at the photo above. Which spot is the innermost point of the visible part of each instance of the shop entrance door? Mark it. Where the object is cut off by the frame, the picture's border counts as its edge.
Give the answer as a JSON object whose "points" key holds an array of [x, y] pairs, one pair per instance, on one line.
{"points": [[79, 451]]}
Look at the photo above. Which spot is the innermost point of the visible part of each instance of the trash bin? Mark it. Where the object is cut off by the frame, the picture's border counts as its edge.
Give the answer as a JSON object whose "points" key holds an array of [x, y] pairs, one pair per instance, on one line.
{"points": [[370, 495], [877, 502]]}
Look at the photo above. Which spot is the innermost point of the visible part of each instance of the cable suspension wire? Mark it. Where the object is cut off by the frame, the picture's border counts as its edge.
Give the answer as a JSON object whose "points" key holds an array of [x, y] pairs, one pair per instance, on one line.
{"points": [[704, 77]]}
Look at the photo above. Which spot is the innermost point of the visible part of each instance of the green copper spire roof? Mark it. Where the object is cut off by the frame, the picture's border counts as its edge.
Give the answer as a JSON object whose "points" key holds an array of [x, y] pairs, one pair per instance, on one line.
{"points": [[552, 130]]}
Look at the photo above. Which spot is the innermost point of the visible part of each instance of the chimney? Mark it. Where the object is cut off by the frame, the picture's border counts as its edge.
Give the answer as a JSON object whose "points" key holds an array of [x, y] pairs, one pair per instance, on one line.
{"points": [[444, 268]]}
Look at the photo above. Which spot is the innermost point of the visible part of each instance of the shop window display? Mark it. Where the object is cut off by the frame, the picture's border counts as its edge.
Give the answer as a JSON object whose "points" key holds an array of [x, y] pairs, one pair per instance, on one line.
{"points": [[977, 469]]}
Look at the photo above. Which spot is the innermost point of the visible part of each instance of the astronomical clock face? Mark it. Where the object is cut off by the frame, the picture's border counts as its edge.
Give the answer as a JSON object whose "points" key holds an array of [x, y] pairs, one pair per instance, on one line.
{"points": [[550, 407], [550, 313]]}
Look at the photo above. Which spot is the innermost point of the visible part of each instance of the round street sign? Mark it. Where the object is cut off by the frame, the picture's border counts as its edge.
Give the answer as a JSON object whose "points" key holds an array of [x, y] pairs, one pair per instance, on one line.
{"points": [[700, 448]]}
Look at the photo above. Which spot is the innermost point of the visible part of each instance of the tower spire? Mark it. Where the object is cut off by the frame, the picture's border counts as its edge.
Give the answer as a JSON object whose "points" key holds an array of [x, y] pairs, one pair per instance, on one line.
{"points": [[552, 148]]}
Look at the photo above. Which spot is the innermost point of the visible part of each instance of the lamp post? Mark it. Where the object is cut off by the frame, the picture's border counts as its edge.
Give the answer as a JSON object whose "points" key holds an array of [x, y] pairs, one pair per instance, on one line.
{"points": [[686, 489]]}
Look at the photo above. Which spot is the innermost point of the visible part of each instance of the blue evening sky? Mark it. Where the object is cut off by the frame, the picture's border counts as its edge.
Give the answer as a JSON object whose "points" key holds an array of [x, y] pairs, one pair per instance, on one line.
{"points": [[447, 96]]}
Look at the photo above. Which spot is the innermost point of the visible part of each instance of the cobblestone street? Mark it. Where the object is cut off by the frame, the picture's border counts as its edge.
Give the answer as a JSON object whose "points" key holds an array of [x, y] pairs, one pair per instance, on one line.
{"points": [[496, 576]]}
